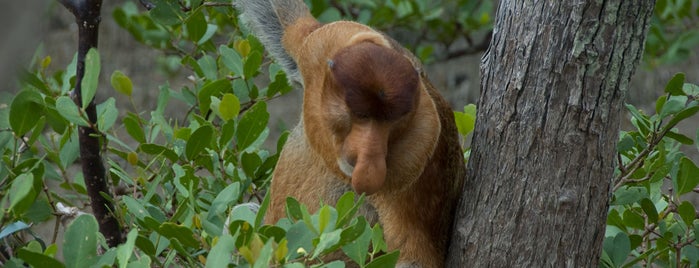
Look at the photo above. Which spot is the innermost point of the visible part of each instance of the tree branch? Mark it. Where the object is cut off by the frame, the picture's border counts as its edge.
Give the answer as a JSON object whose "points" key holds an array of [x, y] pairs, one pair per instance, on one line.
{"points": [[87, 16]]}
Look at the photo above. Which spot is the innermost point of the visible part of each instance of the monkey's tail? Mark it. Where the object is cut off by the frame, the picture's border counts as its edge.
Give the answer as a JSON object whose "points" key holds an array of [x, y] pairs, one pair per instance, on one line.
{"points": [[268, 20]]}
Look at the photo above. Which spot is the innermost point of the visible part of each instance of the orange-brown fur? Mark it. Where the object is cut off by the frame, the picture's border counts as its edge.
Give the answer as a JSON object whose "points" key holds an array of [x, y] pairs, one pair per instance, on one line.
{"points": [[396, 131]]}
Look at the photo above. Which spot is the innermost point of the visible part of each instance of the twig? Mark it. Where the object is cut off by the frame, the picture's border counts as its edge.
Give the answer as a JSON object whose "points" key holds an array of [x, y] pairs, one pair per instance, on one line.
{"points": [[87, 16]]}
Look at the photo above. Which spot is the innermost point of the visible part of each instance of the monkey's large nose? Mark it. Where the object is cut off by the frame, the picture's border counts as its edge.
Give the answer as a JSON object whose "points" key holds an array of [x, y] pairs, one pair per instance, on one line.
{"points": [[364, 156]]}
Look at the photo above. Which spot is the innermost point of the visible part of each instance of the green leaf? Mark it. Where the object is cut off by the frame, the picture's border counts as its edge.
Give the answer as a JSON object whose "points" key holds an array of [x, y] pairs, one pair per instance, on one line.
{"points": [[684, 114], [674, 86], [229, 107], [673, 106], [220, 254], [134, 128], [200, 140], [211, 89], [323, 218], [687, 212], [618, 248], [22, 193], [121, 83], [629, 195], [26, 109], [660, 103], [107, 114], [649, 208], [154, 149], [67, 108], [679, 137], [13, 228], [377, 239], [179, 232], [166, 12], [208, 67], [37, 259], [633, 220], [80, 242], [227, 197], [387, 260], [252, 64], [135, 207], [232, 60], [687, 177], [125, 250], [251, 125], [293, 209], [251, 162], [196, 25], [259, 219], [88, 86], [210, 31], [327, 241]]}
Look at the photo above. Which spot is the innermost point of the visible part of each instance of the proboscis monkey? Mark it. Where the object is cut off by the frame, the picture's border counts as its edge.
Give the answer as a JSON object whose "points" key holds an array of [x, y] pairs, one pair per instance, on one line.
{"points": [[371, 123]]}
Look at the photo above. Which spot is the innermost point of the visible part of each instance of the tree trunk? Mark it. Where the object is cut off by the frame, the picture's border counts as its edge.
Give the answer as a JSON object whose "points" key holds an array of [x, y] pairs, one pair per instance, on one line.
{"points": [[553, 84]]}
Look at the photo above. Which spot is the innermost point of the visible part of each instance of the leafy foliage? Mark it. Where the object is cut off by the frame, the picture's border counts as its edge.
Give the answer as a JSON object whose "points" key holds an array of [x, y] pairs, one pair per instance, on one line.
{"points": [[650, 220], [184, 188]]}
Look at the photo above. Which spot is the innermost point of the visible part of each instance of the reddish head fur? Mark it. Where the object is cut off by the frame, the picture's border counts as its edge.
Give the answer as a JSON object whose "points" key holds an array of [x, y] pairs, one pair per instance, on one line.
{"points": [[378, 82]]}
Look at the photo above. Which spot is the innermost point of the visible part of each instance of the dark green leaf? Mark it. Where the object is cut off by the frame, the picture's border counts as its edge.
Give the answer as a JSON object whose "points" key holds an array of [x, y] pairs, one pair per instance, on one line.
{"points": [[262, 211], [88, 86], [629, 195], [252, 64], [293, 209], [166, 12], [679, 137], [674, 87], [196, 25], [131, 122], [179, 232], [80, 242], [687, 177], [358, 248], [200, 140], [387, 260], [25, 111], [33, 80], [251, 162], [211, 89], [37, 259], [660, 103], [687, 212], [649, 208], [251, 125], [154, 149], [633, 220], [684, 114]]}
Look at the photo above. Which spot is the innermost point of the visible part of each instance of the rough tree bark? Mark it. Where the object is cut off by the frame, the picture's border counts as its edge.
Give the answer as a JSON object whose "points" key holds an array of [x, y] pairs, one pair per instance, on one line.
{"points": [[87, 16], [553, 83]]}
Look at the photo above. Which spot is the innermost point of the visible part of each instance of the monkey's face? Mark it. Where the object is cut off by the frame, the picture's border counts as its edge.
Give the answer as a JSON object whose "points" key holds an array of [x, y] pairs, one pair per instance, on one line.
{"points": [[375, 94]]}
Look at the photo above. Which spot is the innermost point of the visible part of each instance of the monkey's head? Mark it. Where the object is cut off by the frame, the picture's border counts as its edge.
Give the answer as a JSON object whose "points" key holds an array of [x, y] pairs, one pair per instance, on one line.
{"points": [[379, 87]]}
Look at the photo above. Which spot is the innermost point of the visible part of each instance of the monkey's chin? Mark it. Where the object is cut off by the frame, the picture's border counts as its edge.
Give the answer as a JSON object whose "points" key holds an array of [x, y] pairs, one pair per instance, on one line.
{"points": [[345, 167]]}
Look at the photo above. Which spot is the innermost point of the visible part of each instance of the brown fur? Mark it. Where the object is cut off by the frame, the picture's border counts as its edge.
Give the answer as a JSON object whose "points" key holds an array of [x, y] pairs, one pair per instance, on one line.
{"points": [[368, 104]]}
